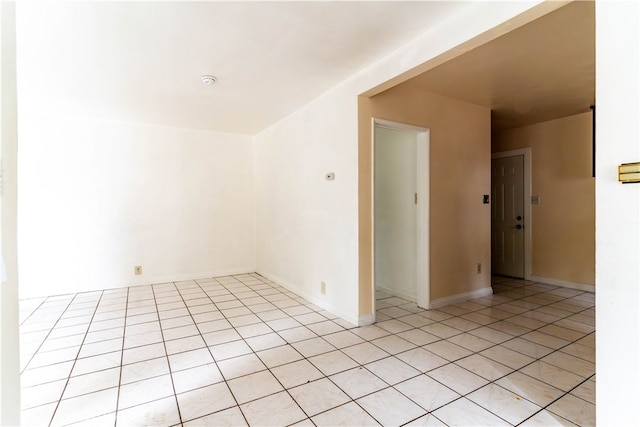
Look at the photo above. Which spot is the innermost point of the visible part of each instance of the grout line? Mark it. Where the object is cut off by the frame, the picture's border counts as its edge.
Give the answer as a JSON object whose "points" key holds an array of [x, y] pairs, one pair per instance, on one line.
{"points": [[75, 360], [241, 339], [33, 310], [241, 285], [215, 362], [544, 408], [285, 389], [305, 358], [166, 355], [26, 366], [519, 369], [124, 337]]}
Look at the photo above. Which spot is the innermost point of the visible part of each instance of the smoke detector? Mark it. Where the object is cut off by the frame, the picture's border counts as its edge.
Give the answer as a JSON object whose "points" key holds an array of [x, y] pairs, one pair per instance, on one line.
{"points": [[208, 80]]}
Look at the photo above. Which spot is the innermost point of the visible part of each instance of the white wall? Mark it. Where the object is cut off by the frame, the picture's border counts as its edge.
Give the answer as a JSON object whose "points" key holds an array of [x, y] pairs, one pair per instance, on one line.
{"points": [[99, 197], [307, 228], [617, 213], [306, 225], [9, 342], [395, 212]]}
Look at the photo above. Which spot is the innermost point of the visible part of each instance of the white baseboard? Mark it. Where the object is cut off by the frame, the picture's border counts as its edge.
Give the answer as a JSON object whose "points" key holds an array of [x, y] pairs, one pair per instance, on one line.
{"points": [[563, 283], [27, 292], [314, 299], [190, 276], [404, 295], [453, 299]]}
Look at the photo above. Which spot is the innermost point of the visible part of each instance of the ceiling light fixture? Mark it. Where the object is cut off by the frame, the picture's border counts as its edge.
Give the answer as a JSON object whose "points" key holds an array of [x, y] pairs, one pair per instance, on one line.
{"points": [[208, 80]]}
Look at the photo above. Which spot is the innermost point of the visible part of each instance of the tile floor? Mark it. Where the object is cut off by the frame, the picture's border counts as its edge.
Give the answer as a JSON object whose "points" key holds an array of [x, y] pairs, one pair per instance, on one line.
{"points": [[243, 351]]}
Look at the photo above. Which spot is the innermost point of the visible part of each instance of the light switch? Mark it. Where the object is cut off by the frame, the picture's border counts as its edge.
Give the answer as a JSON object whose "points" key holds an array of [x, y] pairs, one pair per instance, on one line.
{"points": [[535, 200]]}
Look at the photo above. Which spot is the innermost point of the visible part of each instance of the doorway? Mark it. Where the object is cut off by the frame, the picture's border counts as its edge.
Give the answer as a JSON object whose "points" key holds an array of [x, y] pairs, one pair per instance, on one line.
{"points": [[511, 213], [401, 210]]}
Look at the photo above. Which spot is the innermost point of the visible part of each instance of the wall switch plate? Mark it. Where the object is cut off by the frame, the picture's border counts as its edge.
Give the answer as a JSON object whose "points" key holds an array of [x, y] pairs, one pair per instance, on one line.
{"points": [[137, 270], [535, 200], [323, 288]]}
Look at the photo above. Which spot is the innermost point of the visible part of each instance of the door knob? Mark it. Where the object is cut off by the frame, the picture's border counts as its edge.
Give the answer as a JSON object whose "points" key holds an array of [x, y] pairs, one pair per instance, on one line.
{"points": [[518, 226], [519, 218]]}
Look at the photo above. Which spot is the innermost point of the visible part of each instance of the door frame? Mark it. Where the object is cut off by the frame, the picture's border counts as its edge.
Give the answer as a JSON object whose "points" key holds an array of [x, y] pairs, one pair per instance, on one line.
{"points": [[422, 134], [526, 152]]}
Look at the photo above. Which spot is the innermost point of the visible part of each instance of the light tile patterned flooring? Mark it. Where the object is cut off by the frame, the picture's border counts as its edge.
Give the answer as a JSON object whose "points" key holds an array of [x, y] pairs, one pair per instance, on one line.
{"points": [[241, 350]]}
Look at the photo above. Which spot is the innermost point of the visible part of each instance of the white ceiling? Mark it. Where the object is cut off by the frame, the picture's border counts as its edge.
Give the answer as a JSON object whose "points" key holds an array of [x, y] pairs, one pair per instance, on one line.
{"points": [[142, 61]]}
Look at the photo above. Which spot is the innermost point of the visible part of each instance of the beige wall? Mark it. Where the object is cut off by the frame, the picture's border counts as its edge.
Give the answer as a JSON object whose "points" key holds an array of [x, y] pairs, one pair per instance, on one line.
{"points": [[460, 145], [563, 224]]}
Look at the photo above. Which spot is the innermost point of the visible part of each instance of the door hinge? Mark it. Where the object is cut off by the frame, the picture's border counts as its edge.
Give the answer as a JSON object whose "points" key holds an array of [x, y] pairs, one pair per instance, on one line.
{"points": [[415, 198]]}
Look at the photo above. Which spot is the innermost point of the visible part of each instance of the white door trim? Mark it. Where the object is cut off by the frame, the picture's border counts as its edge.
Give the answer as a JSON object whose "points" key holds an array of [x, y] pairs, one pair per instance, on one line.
{"points": [[422, 216], [526, 152]]}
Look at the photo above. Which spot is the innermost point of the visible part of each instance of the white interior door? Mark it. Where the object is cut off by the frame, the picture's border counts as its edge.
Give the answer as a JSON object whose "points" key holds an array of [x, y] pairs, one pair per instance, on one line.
{"points": [[507, 216]]}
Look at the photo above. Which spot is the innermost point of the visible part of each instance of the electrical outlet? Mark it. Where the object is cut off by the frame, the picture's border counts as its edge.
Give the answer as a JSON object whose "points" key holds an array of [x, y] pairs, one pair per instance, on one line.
{"points": [[479, 268], [137, 270], [323, 288]]}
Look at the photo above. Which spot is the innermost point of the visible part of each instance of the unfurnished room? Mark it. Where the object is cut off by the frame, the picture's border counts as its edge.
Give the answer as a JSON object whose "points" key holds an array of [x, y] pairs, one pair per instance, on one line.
{"points": [[322, 213]]}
